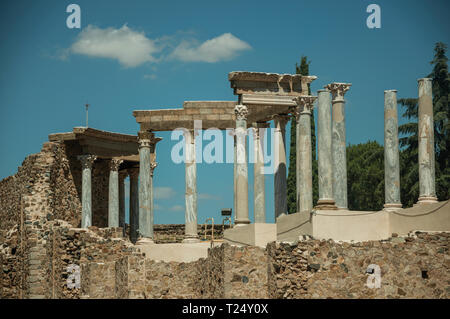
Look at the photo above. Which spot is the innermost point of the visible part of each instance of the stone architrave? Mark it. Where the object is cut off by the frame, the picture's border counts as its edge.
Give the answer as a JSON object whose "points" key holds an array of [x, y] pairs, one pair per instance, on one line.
{"points": [[241, 172], [147, 164], [391, 152], [325, 166], [134, 203], [338, 91], [191, 232], [280, 178], [113, 198], [259, 196], [427, 184], [305, 105], [86, 189]]}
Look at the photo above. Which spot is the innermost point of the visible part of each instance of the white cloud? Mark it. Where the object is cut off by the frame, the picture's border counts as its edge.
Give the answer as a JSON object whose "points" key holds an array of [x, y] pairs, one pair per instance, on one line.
{"points": [[208, 196], [150, 76], [176, 208], [164, 192], [223, 47], [131, 48]]}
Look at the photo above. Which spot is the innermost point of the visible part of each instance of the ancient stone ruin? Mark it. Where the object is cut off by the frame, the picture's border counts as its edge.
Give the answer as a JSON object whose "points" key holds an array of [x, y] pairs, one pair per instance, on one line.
{"points": [[63, 232]]}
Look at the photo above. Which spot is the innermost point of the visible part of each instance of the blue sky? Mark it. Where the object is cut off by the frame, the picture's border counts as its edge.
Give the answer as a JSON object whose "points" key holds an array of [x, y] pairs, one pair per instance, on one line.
{"points": [[46, 78]]}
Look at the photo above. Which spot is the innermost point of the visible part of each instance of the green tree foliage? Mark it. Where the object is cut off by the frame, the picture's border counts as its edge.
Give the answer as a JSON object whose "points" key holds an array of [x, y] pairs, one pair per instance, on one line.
{"points": [[441, 114], [365, 176], [303, 69], [409, 168]]}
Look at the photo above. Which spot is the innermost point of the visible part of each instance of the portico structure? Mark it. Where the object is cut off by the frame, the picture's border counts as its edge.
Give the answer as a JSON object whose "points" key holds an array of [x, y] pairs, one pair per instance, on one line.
{"points": [[262, 97]]}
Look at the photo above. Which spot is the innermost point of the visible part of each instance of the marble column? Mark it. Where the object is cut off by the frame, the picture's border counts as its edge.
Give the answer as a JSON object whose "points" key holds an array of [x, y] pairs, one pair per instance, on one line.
{"points": [[234, 173], [304, 153], [122, 176], [426, 143], [147, 164], [259, 196], [391, 152], [134, 203], [113, 198], [191, 232], [241, 172], [86, 189], [339, 156], [280, 179], [325, 163]]}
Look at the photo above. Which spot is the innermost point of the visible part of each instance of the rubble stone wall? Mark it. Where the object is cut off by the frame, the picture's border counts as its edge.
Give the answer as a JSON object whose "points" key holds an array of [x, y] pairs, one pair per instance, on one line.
{"points": [[416, 266]]}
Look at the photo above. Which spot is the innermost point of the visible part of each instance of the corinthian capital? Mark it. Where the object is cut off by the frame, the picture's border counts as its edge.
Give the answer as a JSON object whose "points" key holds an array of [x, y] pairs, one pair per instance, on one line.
{"points": [[338, 90], [145, 138], [241, 112], [87, 160], [114, 164], [305, 105]]}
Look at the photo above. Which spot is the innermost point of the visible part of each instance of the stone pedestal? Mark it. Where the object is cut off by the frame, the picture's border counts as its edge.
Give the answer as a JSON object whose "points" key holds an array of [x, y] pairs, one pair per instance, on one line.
{"points": [[113, 198], [391, 152], [258, 174], [325, 163], [241, 173], [257, 234], [339, 156], [426, 143], [86, 189], [304, 153], [191, 233], [280, 178]]}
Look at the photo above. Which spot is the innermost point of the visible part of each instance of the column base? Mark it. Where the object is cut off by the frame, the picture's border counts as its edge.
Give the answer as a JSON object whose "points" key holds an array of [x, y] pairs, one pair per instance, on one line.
{"points": [[145, 241], [326, 204], [241, 222], [392, 206], [190, 240], [427, 200]]}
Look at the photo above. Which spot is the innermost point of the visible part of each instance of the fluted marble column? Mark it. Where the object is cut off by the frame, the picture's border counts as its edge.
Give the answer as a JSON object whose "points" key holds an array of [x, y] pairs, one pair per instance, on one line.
{"points": [[191, 232], [241, 172], [86, 189], [304, 153], [280, 182], [113, 198], [259, 196], [427, 184], [134, 203], [338, 91], [147, 164], [325, 169], [391, 152]]}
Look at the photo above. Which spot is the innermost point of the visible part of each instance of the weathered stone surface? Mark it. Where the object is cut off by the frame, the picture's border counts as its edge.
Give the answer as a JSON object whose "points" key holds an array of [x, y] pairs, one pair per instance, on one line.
{"points": [[391, 151]]}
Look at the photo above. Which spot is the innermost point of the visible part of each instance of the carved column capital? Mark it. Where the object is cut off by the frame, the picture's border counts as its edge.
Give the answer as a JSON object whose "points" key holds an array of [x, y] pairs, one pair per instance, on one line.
{"points": [[305, 105], [87, 160], [338, 90], [114, 164], [241, 112]]}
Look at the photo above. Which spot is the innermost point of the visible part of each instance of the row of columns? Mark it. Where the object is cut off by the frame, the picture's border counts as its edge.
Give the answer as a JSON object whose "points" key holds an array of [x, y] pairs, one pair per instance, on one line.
{"points": [[116, 194], [427, 187], [331, 164]]}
